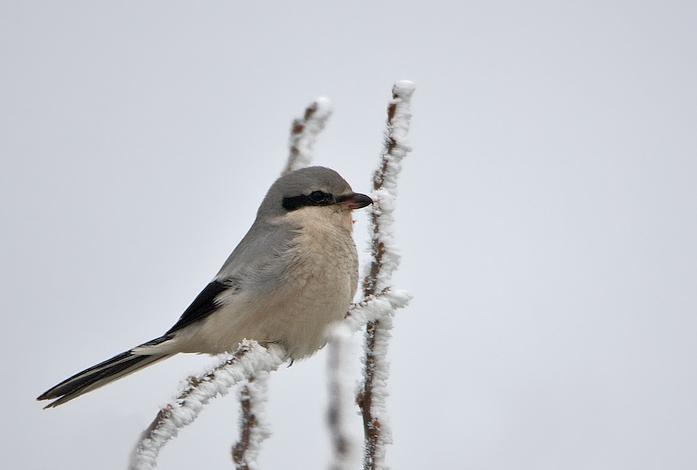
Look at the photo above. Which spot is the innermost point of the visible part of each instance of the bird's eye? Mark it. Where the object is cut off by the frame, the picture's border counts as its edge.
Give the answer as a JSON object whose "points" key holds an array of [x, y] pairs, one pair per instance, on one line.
{"points": [[319, 196]]}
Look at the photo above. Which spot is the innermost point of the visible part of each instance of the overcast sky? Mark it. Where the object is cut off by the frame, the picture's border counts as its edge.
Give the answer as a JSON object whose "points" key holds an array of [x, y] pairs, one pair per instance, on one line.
{"points": [[547, 219]]}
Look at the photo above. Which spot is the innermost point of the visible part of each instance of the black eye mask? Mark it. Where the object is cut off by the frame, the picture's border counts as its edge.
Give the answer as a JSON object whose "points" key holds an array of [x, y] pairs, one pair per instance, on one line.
{"points": [[315, 198]]}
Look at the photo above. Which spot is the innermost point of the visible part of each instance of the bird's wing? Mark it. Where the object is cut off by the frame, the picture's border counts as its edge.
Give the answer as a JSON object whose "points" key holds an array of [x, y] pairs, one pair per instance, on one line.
{"points": [[203, 305], [254, 267]]}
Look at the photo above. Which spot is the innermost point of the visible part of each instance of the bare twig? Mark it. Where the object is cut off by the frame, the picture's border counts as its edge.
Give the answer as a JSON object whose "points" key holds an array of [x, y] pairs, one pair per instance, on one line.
{"points": [[371, 396], [304, 132], [250, 358]]}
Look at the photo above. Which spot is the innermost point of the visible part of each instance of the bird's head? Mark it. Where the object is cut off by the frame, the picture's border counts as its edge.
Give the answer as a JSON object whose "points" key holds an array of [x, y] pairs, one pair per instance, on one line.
{"points": [[312, 193]]}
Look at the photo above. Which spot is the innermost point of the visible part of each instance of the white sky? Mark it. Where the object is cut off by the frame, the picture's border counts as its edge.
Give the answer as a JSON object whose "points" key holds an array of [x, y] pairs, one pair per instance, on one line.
{"points": [[547, 219]]}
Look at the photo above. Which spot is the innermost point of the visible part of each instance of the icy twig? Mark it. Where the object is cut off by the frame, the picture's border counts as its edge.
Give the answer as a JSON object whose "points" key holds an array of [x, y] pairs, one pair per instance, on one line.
{"points": [[371, 308], [371, 396], [304, 132], [375, 306], [303, 135], [343, 444], [253, 428], [249, 358]]}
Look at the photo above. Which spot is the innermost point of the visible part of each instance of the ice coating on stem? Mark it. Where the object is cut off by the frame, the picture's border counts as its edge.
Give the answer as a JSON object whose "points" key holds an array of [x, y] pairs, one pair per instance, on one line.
{"points": [[250, 358], [253, 426], [385, 259], [304, 132], [340, 385]]}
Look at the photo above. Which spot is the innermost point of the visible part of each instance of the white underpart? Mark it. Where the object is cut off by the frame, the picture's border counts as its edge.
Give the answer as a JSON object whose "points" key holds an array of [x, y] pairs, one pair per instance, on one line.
{"points": [[182, 412]]}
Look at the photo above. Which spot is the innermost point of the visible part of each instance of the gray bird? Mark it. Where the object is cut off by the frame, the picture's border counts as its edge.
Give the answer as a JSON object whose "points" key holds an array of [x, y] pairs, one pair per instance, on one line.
{"points": [[293, 273]]}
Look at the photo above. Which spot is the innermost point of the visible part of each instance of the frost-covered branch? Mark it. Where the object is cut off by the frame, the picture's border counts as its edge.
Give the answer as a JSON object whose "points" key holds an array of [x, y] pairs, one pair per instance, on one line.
{"points": [[303, 135], [304, 132], [359, 315], [375, 306], [371, 396], [343, 445], [253, 428], [249, 358]]}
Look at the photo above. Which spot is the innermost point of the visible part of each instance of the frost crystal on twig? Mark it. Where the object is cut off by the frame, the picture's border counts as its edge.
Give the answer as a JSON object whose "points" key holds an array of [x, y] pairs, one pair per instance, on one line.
{"points": [[250, 358], [371, 396], [343, 444], [369, 309], [304, 132], [254, 429], [376, 306]]}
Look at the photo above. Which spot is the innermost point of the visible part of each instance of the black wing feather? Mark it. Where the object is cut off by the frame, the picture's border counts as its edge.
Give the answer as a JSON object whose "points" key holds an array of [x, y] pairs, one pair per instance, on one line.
{"points": [[203, 305]]}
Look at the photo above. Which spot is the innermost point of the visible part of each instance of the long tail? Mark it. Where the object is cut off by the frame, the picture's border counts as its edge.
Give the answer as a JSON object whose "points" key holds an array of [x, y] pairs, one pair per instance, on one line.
{"points": [[103, 373]]}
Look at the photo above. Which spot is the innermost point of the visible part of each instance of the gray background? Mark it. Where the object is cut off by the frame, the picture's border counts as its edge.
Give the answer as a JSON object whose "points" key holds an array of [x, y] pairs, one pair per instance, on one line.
{"points": [[547, 219]]}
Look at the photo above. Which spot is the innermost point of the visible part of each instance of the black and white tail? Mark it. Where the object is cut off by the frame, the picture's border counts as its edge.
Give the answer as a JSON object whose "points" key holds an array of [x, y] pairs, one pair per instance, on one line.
{"points": [[103, 373]]}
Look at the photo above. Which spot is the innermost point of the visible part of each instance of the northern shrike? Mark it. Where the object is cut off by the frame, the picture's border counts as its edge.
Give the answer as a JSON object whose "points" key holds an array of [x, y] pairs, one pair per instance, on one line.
{"points": [[293, 273]]}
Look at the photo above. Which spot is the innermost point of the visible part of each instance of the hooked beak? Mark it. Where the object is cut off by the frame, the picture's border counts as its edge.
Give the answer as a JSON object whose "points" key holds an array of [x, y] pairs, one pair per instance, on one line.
{"points": [[354, 200]]}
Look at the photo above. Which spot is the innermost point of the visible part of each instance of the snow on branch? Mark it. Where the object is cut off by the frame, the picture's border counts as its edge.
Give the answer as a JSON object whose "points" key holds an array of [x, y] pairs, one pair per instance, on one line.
{"points": [[304, 132], [369, 309], [385, 259], [376, 306], [343, 445], [253, 428], [249, 358]]}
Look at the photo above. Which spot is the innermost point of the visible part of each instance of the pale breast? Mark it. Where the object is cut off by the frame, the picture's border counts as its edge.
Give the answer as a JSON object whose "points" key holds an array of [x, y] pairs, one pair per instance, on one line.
{"points": [[324, 273], [314, 290]]}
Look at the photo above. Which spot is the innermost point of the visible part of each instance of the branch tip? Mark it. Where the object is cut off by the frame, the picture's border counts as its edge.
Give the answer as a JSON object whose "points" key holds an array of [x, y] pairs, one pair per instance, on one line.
{"points": [[371, 397]]}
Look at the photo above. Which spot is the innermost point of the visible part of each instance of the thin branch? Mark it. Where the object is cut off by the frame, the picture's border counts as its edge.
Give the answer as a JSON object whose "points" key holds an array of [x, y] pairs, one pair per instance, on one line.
{"points": [[343, 444], [253, 428], [370, 308], [374, 307], [303, 135], [304, 132], [249, 358], [248, 422], [371, 397]]}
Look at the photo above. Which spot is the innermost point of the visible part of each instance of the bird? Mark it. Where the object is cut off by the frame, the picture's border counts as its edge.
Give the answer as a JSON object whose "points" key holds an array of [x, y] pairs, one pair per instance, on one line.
{"points": [[293, 274]]}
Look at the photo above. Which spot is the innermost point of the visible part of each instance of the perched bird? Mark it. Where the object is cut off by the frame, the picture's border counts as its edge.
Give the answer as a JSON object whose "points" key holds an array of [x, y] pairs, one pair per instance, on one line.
{"points": [[293, 273]]}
